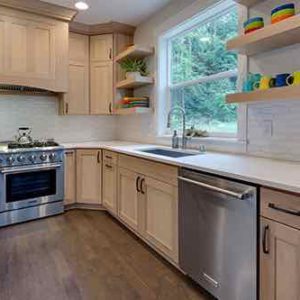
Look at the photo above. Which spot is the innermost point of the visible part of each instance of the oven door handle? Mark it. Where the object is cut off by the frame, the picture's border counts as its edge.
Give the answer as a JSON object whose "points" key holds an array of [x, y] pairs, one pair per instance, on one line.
{"points": [[30, 169]]}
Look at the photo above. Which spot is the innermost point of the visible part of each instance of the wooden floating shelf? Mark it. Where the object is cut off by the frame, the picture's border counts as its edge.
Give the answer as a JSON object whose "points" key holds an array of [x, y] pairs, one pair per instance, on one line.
{"points": [[135, 82], [274, 36], [284, 93], [133, 110], [248, 2], [135, 51]]}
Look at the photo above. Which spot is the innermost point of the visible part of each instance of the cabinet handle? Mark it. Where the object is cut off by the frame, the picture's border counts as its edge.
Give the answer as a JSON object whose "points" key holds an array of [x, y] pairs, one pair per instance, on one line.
{"points": [[69, 152], [108, 157], [285, 210], [142, 186], [265, 246], [108, 166], [110, 53], [98, 157], [110, 108], [67, 108], [137, 183]]}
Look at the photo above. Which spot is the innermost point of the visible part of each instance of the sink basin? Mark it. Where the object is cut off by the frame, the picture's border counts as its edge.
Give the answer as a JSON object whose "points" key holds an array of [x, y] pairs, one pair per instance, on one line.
{"points": [[166, 152]]}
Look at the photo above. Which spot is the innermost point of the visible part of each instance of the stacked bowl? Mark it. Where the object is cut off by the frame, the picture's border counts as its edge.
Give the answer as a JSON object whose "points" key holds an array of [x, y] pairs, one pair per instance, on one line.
{"points": [[282, 12], [253, 24]]}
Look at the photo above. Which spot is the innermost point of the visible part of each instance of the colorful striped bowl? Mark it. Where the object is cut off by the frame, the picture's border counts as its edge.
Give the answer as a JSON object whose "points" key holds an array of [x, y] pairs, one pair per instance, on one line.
{"points": [[253, 24], [282, 12]]}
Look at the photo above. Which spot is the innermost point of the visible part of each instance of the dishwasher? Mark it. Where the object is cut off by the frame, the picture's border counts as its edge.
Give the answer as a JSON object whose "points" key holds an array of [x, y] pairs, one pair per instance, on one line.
{"points": [[218, 234]]}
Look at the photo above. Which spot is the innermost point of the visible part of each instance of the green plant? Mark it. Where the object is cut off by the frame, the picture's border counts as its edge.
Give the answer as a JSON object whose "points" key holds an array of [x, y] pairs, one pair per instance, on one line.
{"points": [[134, 65]]}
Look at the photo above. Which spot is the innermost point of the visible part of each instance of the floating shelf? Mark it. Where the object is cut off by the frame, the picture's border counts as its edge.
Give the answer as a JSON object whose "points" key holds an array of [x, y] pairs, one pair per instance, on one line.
{"points": [[274, 36], [135, 51], [133, 110], [135, 82], [284, 93], [248, 2]]}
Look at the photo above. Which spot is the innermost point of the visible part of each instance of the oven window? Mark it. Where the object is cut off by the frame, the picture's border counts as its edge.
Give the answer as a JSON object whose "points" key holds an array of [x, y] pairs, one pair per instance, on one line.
{"points": [[30, 185]]}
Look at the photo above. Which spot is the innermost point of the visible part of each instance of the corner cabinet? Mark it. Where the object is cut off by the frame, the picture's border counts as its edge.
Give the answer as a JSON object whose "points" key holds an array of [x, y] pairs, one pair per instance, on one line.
{"points": [[280, 246], [33, 51], [88, 177], [101, 74]]}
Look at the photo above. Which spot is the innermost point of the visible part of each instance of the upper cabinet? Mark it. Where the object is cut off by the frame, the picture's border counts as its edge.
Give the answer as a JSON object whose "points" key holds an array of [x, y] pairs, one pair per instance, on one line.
{"points": [[101, 72], [33, 50]]}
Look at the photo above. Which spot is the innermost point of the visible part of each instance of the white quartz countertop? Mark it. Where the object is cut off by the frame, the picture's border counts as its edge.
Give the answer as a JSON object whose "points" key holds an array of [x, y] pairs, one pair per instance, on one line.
{"points": [[279, 174]]}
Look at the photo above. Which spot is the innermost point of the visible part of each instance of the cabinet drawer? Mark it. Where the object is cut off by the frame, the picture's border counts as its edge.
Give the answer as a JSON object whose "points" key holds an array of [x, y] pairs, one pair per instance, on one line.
{"points": [[111, 157], [165, 173], [282, 207]]}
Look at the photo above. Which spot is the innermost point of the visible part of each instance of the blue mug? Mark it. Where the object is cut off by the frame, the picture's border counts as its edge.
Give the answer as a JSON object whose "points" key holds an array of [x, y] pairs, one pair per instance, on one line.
{"points": [[281, 80], [249, 83]]}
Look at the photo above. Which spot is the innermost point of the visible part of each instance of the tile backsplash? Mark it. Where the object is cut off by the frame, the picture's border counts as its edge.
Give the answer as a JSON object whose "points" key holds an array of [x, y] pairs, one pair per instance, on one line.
{"points": [[41, 113]]}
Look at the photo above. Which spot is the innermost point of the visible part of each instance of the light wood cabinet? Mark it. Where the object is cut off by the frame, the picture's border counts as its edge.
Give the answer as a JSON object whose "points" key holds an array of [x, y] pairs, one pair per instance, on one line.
{"points": [[33, 51], [101, 73], [109, 186], [279, 261], [88, 166], [160, 216], [128, 198], [77, 101], [70, 177]]}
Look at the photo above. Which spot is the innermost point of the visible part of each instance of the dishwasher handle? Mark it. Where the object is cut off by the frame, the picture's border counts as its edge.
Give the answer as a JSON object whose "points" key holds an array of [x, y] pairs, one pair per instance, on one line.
{"points": [[240, 196]]}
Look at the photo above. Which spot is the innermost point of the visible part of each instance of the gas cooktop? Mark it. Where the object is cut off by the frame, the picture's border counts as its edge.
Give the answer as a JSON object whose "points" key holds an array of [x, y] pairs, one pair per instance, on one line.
{"points": [[34, 144]]}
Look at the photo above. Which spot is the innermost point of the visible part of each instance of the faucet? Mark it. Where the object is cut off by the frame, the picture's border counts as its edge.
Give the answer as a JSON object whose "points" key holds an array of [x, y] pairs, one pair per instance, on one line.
{"points": [[184, 137]]}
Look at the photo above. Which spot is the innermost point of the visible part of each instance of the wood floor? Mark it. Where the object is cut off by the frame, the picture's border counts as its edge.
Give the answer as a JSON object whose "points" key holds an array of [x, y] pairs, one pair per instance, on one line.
{"points": [[85, 255]]}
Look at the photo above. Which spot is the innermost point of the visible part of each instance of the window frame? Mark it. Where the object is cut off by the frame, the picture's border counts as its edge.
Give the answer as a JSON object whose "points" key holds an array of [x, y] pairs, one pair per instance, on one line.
{"points": [[210, 13]]}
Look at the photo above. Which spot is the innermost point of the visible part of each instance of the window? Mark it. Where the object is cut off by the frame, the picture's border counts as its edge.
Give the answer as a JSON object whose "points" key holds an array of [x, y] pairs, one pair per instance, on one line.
{"points": [[202, 72]]}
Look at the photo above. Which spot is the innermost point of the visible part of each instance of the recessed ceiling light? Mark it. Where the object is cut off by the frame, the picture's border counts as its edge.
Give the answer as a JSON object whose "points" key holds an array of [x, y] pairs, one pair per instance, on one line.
{"points": [[81, 5]]}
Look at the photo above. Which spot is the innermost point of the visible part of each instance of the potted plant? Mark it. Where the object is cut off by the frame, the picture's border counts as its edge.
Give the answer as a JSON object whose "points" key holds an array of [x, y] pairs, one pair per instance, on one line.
{"points": [[134, 68]]}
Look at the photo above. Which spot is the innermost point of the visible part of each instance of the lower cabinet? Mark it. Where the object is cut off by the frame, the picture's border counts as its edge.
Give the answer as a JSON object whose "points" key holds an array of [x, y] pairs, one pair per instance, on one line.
{"points": [[88, 176], [279, 261], [160, 216], [128, 198], [70, 177], [109, 186]]}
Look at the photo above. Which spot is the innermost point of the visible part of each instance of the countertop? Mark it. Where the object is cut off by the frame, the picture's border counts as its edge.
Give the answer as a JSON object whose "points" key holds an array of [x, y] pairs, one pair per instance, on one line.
{"points": [[279, 174]]}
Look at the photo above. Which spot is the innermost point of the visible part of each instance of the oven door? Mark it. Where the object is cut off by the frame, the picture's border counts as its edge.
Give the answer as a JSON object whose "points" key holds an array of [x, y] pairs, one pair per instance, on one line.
{"points": [[30, 186]]}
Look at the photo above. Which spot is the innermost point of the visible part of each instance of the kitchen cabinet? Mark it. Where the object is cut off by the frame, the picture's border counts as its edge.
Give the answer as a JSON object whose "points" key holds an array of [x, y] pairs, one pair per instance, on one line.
{"points": [[77, 100], [128, 198], [109, 179], [33, 51], [101, 72], [280, 261], [70, 177], [280, 245], [88, 176], [160, 216]]}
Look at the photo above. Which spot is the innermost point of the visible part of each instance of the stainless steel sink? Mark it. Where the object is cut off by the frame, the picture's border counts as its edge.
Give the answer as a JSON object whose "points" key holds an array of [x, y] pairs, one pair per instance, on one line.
{"points": [[166, 152]]}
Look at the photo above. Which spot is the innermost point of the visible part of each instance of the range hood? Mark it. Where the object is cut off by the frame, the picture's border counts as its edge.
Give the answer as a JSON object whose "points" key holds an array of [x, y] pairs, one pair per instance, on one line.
{"points": [[24, 90]]}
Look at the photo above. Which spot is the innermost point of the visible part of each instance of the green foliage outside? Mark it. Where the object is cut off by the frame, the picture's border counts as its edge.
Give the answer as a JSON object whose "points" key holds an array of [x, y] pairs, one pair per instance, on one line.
{"points": [[200, 53]]}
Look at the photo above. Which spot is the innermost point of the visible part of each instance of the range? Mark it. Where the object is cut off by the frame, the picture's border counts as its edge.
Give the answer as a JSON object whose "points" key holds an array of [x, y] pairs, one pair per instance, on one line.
{"points": [[31, 179]]}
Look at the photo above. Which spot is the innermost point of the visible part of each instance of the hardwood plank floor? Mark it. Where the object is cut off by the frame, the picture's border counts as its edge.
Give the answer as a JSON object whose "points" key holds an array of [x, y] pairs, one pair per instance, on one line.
{"points": [[85, 255]]}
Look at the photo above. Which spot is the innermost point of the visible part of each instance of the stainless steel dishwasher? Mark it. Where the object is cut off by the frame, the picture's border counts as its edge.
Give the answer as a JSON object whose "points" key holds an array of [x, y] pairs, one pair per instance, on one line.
{"points": [[218, 234]]}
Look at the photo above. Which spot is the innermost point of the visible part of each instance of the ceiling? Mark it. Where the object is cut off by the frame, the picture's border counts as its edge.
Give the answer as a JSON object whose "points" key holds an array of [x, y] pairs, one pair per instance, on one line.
{"points": [[132, 12]]}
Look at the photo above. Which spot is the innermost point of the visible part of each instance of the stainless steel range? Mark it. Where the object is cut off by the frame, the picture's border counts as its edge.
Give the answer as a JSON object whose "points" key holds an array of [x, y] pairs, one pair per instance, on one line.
{"points": [[31, 180]]}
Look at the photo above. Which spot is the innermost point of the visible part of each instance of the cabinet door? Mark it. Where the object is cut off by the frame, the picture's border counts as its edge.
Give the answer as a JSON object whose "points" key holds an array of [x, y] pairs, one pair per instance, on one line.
{"points": [[280, 261], [101, 48], [70, 176], [101, 88], [109, 187], [88, 176], [160, 216], [128, 198], [78, 102]]}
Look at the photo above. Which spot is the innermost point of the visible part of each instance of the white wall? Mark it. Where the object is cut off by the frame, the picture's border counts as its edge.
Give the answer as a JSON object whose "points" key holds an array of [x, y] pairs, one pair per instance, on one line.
{"points": [[273, 129], [41, 113]]}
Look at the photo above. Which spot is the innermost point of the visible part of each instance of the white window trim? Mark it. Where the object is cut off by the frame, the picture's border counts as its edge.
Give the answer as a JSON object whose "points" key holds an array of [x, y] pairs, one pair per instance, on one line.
{"points": [[179, 23]]}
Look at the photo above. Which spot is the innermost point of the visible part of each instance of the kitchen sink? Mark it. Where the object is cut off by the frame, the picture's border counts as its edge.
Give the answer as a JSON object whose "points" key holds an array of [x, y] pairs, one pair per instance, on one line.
{"points": [[166, 152]]}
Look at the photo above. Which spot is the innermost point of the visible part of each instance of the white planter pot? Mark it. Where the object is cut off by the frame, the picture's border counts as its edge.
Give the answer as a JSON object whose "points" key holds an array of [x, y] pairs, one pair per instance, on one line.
{"points": [[132, 75]]}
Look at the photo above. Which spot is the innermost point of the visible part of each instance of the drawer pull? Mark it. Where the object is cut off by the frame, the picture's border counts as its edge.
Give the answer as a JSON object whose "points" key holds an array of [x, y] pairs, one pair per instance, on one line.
{"points": [[108, 157], [137, 183], [285, 210], [265, 243], [142, 186], [108, 166]]}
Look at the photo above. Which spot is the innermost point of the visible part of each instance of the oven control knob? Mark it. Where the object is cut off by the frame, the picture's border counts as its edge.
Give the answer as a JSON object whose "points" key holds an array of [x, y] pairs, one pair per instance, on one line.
{"points": [[52, 156], [10, 160], [43, 157], [21, 158], [32, 158]]}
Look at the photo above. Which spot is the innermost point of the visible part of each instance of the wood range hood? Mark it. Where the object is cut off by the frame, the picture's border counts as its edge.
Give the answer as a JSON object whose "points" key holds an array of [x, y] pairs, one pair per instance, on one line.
{"points": [[34, 47]]}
